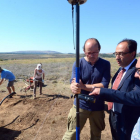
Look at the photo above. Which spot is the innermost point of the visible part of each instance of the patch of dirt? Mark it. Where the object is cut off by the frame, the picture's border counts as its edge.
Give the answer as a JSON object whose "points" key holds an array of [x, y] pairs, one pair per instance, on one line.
{"points": [[43, 118]]}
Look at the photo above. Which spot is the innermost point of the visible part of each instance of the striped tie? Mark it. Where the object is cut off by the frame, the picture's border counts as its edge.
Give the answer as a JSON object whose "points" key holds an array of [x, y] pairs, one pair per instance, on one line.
{"points": [[115, 85]]}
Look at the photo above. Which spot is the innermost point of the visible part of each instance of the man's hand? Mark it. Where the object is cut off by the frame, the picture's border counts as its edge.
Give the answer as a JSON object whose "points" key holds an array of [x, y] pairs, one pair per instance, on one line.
{"points": [[75, 88], [96, 91], [82, 86]]}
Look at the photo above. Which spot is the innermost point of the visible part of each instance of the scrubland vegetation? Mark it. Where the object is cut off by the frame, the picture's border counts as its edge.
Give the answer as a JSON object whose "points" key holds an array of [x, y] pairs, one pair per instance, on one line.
{"points": [[55, 65]]}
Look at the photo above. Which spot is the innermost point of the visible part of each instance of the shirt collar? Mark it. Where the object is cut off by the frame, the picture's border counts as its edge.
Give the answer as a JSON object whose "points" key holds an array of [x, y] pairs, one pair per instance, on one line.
{"points": [[127, 67]]}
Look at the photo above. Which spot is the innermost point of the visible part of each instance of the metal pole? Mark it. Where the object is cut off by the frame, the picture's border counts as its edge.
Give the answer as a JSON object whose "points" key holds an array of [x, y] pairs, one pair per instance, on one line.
{"points": [[77, 71]]}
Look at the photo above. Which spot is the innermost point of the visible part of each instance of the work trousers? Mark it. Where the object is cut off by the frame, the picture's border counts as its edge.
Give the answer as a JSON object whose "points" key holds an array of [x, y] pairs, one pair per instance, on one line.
{"points": [[40, 84], [96, 120]]}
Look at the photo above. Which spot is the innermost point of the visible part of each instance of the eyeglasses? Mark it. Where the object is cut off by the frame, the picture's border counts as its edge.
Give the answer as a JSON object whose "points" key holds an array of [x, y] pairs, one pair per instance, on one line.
{"points": [[120, 53], [138, 71], [91, 53]]}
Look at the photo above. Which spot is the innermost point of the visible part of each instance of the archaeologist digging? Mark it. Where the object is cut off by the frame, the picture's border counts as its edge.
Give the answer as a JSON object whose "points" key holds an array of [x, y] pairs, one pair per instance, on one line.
{"points": [[38, 78], [8, 75]]}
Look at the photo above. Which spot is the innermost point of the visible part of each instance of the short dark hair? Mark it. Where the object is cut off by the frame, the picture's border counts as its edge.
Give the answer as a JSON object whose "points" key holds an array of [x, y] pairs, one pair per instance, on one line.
{"points": [[132, 45], [99, 46]]}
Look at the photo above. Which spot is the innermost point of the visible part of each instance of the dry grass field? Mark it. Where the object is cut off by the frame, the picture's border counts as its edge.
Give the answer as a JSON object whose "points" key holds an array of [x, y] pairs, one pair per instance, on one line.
{"points": [[43, 118]]}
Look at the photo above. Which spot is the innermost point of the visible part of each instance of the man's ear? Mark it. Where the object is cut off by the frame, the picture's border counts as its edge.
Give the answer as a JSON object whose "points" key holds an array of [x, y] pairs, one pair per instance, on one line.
{"points": [[84, 52], [133, 54]]}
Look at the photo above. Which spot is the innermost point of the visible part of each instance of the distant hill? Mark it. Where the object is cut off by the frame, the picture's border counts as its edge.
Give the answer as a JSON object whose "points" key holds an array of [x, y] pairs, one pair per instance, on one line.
{"points": [[33, 52]]}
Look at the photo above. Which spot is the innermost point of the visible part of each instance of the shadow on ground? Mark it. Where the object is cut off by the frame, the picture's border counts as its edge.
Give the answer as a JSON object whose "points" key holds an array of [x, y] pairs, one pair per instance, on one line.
{"points": [[8, 134], [55, 96]]}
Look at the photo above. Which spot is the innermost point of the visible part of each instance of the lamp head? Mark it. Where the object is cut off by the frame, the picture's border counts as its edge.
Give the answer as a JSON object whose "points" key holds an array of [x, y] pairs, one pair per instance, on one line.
{"points": [[75, 1]]}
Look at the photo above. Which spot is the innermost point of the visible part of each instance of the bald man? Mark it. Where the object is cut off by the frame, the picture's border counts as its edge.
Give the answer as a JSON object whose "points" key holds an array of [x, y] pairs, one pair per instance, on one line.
{"points": [[94, 71]]}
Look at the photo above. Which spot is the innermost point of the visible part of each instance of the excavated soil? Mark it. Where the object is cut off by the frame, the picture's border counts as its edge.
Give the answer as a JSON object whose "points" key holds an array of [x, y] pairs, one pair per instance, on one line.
{"points": [[43, 118]]}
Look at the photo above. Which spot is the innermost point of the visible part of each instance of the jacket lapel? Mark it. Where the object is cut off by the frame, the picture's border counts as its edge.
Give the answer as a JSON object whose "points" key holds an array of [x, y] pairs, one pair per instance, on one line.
{"points": [[114, 77], [129, 71]]}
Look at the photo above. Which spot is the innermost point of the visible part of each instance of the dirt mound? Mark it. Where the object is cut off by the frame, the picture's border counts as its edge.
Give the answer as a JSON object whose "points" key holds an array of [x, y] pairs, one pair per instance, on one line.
{"points": [[43, 118]]}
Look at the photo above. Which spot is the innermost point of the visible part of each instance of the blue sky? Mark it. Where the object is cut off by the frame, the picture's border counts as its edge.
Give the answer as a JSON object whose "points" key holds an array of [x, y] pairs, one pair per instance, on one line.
{"points": [[47, 24]]}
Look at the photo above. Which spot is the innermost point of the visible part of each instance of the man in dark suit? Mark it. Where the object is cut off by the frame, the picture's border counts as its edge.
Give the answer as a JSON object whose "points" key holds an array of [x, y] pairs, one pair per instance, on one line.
{"points": [[125, 111]]}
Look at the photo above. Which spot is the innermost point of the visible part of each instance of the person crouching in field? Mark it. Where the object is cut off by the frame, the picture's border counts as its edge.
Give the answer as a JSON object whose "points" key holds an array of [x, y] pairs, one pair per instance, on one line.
{"points": [[38, 78], [6, 74]]}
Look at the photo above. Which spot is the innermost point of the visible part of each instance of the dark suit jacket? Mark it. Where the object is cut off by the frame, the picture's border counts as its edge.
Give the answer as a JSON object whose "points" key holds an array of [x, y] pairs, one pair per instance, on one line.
{"points": [[126, 102]]}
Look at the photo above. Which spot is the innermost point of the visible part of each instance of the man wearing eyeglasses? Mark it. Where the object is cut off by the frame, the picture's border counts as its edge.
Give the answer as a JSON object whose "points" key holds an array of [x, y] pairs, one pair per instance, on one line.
{"points": [[124, 112], [94, 71]]}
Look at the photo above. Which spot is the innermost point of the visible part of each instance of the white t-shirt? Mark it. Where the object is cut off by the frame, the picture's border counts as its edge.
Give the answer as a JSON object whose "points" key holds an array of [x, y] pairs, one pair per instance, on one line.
{"points": [[39, 74], [136, 131]]}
